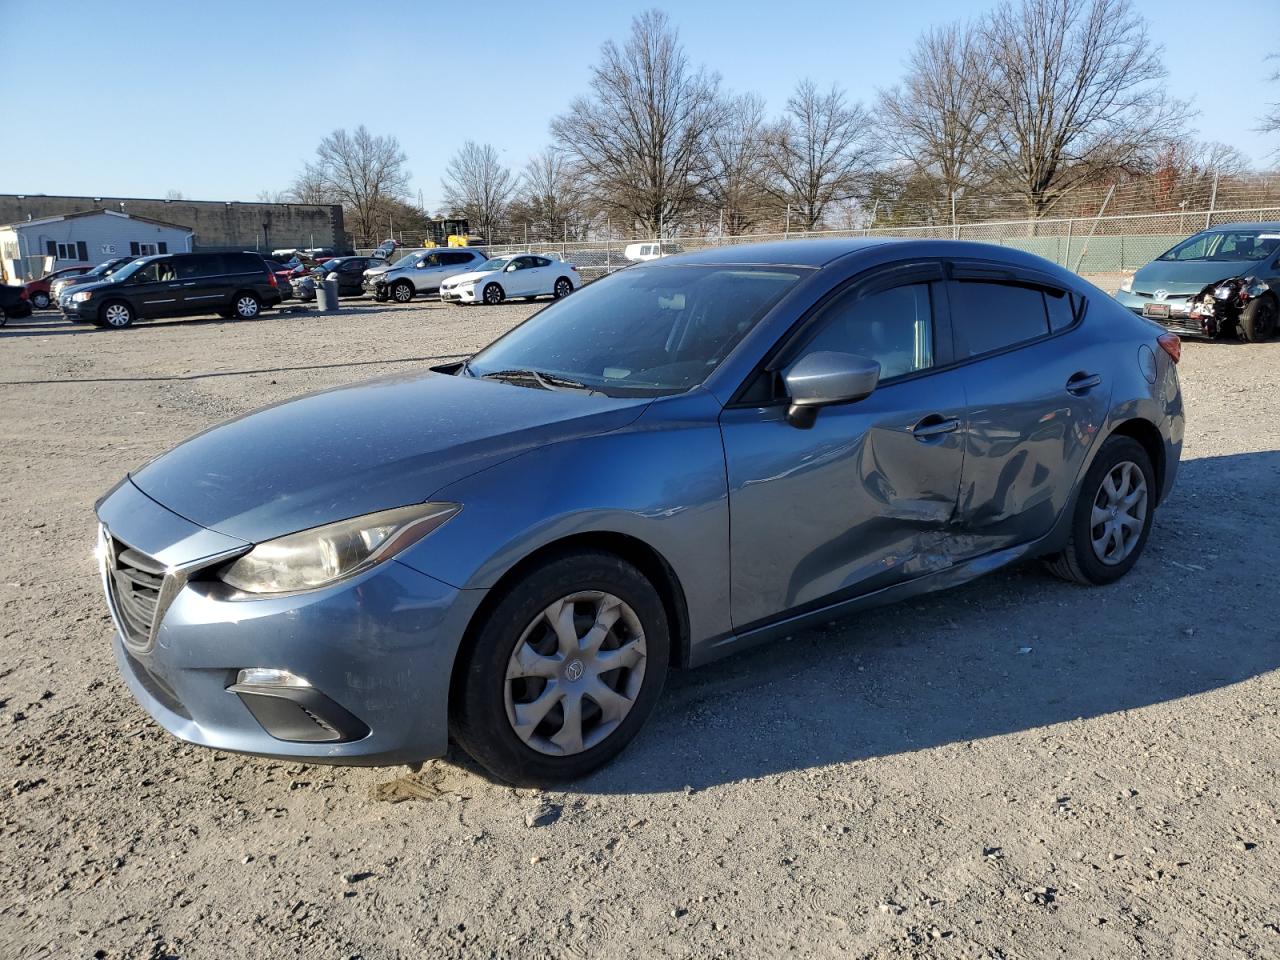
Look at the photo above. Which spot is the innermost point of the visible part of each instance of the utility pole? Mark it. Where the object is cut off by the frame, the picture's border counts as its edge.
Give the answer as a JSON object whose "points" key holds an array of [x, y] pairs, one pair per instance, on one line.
{"points": [[1213, 202], [955, 228]]}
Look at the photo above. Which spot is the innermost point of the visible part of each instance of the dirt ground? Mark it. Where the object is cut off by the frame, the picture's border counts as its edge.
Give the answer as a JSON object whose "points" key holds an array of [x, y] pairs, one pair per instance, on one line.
{"points": [[1016, 769]]}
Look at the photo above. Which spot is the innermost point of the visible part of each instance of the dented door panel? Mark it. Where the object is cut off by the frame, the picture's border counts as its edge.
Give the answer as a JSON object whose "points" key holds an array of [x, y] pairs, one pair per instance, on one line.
{"points": [[1022, 456], [852, 504]]}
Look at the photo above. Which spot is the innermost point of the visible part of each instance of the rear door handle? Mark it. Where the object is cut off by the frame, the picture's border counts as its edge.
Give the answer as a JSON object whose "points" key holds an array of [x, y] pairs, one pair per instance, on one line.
{"points": [[934, 425], [1082, 383]]}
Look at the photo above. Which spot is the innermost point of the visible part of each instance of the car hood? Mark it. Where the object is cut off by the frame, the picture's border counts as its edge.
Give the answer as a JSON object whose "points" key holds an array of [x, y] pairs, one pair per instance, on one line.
{"points": [[1190, 276], [96, 285], [469, 277], [377, 271], [364, 447]]}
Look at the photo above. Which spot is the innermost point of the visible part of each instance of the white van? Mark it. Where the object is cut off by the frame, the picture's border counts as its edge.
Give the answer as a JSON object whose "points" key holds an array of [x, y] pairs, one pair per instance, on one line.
{"points": [[651, 249]]}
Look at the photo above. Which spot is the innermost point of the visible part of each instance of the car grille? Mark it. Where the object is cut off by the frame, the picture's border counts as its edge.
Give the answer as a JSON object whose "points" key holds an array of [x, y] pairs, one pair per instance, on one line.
{"points": [[134, 581]]}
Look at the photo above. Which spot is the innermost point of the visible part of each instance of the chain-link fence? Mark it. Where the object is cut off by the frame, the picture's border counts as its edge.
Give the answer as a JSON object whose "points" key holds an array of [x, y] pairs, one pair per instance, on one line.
{"points": [[1105, 229]]}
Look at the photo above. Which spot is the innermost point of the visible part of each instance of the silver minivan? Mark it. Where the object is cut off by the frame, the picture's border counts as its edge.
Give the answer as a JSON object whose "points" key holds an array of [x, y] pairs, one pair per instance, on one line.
{"points": [[423, 271]]}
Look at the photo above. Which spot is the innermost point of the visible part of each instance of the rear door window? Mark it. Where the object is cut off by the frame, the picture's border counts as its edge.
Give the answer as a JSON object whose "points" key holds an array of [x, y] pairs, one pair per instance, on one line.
{"points": [[199, 266], [988, 316]]}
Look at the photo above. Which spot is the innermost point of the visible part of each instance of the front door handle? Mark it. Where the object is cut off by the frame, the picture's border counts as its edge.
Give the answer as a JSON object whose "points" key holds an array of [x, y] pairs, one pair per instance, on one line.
{"points": [[934, 425], [1081, 383]]}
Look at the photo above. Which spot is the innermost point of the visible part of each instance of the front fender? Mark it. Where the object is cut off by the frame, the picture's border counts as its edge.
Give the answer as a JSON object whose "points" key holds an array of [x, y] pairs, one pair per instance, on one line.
{"points": [[660, 480]]}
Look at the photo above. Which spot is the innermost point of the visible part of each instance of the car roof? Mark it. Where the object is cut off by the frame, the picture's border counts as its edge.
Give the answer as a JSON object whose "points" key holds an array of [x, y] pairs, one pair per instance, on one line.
{"points": [[816, 252], [1265, 225]]}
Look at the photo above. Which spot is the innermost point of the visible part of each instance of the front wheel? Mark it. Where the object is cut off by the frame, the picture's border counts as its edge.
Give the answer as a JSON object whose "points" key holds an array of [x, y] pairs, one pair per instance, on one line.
{"points": [[402, 291], [1112, 516], [118, 315], [1258, 320], [493, 295], [247, 306], [563, 671], [40, 300], [563, 288]]}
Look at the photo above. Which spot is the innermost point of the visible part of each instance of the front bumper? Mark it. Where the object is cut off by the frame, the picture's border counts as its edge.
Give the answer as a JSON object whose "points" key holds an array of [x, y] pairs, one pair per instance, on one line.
{"points": [[458, 294], [378, 647], [1178, 318]]}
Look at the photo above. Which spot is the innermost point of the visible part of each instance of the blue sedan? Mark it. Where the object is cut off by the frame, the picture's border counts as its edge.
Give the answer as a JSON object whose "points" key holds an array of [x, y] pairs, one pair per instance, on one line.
{"points": [[684, 459]]}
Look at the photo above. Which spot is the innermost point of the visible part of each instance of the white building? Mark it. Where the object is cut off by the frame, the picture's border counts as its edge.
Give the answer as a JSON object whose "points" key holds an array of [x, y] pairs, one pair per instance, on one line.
{"points": [[89, 237]]}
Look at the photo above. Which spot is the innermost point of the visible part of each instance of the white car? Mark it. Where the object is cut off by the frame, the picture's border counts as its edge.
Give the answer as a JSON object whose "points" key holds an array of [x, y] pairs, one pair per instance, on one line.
{"points": [[651, 250], [526, 275]]}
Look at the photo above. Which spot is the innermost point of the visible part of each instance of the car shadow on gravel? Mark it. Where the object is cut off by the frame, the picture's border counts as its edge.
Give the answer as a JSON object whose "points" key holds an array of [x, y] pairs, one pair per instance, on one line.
{"points": [[1013, 652]]}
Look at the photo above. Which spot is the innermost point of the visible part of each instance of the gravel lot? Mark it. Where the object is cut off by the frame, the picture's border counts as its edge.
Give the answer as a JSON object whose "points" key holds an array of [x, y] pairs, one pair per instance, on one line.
{"points": [[1016, 769]]}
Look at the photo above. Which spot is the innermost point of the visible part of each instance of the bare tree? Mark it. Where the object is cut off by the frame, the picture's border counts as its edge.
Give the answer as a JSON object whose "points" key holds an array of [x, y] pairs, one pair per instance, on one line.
{"points": [[640, 137], [174, 195], [818, 152], [361, 171], [274, 196], [738, 160], [935, 120], [1075, 90], [477, 186], [549, 201], [1271, 119]]}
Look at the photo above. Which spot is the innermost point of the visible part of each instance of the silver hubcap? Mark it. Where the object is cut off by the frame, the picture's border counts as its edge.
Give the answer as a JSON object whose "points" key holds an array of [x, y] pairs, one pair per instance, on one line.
{"points": [[41, 300], [403, 294], [247, 306], [575, 673], [117, 315], [1119, 513]]}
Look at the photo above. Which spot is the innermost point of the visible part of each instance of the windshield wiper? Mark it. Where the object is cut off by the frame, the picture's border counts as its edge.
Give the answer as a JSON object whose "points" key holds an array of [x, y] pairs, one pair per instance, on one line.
{"points": [[547, 381]]}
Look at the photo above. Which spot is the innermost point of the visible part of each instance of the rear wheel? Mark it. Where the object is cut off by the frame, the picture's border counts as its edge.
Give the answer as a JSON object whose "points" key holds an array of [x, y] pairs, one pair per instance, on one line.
{"points": [[1258, 320], [563, 288], [247, 306], [563, 671], [402, 291], [1112, 516], [40, 300], [493, 294], [117, 314]]}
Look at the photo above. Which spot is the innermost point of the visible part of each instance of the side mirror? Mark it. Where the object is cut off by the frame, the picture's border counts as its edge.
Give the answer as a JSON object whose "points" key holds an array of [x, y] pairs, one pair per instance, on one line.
{"points": [[510, 267], [825, 378]]}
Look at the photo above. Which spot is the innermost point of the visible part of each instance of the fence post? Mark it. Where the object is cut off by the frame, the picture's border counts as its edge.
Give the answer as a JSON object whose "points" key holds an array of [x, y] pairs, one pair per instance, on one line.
{"points": [[564, 247], [1066, 258], [1213, 200], [787, 225], [1092, 229], [608, 244], [955, 230]]}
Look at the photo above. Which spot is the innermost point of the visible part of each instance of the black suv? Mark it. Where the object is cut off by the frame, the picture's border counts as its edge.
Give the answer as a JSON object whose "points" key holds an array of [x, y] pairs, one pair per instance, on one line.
{"points": [[177, 285]]}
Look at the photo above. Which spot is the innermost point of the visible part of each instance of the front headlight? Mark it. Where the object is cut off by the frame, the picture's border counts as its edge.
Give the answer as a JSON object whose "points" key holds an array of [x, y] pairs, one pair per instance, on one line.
{"points": [[1126, 285], [82, 296], [323, 555]]}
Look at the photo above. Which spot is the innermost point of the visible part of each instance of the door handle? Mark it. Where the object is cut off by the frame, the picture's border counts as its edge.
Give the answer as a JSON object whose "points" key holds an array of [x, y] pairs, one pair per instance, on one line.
{"points": [[191, 284], [1081, 383], [934, 425]]}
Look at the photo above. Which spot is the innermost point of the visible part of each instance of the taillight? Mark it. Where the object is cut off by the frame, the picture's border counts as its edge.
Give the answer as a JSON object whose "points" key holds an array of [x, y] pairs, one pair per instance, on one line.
{"points": [[1171, 343], [271, 279]]}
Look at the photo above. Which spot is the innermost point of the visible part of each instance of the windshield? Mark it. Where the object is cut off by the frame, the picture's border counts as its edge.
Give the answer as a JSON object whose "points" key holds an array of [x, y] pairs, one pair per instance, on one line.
{"points": [[129, 269], [642, 331], [102, 268], [497, 263], [409, 259], [1226, 245], [330, 265]]}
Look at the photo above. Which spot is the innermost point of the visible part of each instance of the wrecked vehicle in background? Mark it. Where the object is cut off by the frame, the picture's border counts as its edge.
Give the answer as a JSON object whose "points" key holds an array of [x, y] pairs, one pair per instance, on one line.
{"points": [[1222, 282]]}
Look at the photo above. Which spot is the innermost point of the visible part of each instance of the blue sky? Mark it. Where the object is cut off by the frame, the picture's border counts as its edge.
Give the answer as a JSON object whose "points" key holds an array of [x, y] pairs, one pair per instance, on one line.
{"points": [[223, 99]]}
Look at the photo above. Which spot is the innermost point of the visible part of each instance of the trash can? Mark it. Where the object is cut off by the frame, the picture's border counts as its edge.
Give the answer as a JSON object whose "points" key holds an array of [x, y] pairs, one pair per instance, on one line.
{"points": [[327, 296]]}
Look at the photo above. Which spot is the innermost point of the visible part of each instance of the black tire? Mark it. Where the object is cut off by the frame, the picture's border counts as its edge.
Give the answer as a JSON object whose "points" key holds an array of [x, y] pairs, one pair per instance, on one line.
{"points": [[563, 287], [493, 294], [402, 291], [116, 315], [1078, 561], [246, 305], [1258, 320], [40, 300], [478, 706]]}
